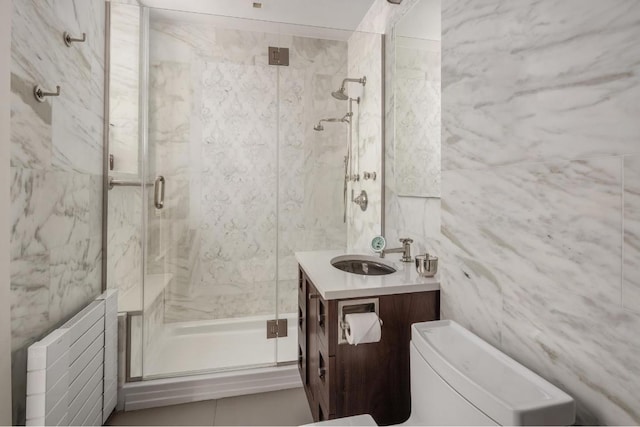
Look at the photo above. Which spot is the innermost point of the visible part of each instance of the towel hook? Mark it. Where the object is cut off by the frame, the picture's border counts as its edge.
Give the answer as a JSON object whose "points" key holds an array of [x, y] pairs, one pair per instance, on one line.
{"points": [[68, 39], [40, 94]]}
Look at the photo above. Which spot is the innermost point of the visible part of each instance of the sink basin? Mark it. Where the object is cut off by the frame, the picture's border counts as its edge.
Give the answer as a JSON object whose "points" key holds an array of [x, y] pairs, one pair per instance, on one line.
{"points": [[362, 264]]}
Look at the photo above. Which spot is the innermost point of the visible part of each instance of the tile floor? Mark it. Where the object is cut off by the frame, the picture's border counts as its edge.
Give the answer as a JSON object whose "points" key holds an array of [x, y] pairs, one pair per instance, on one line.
{"points": [[277, 408]]}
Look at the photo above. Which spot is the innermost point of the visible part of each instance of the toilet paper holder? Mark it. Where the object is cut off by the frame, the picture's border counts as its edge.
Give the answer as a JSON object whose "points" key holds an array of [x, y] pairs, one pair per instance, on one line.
{"points": [[351, 307]]}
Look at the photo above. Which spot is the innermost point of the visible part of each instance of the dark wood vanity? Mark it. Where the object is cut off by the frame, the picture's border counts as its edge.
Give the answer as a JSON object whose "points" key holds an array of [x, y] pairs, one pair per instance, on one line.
{"points": [[342, 380]]}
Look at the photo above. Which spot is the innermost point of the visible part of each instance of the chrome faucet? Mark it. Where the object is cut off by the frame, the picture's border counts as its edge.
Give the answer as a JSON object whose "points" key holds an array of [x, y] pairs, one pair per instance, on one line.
{"points": [[405, 250]]}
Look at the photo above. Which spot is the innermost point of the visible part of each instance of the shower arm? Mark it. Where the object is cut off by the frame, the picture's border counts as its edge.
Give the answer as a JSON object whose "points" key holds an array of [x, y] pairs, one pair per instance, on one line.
{"points": [[362, 81]]}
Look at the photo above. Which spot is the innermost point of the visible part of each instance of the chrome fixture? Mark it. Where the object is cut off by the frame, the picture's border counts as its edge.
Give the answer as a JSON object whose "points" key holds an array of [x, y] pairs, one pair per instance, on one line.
{"points": [[68, 40], [40, 94], [123, 183], [405, 250], [344, 119], [158, 188], [362, 200], [340, 93], [279, 56], [369, 175], [158, 192], [426, 265]]}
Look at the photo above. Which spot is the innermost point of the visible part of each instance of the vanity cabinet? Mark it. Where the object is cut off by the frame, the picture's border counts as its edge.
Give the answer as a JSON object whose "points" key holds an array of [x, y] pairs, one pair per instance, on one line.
{"points": [[342, 380]]}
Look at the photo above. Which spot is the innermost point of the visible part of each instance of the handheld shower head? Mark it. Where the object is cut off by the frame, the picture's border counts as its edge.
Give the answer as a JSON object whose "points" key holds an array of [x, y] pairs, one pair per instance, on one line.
{"points": [[344, 119], [340, 93]]}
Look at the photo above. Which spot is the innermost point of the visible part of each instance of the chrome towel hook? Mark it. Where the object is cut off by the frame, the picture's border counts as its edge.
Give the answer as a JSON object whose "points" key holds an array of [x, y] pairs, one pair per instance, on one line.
{"points": [[40, 94], [68, 39]]}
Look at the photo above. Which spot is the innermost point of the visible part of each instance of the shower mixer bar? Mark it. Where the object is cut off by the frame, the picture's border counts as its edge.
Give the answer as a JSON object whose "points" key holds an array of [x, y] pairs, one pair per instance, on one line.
{"points": [[123, 183]]}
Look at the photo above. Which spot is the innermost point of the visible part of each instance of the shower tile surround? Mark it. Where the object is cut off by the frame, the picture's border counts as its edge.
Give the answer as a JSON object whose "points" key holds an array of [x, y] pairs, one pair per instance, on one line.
{"points": [[56, 169], [216, 140], [416, 92], [365, 59]]}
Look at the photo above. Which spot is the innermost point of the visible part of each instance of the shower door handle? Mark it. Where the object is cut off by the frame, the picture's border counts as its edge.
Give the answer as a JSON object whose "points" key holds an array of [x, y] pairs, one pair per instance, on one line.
{"points": [[158, 192]]}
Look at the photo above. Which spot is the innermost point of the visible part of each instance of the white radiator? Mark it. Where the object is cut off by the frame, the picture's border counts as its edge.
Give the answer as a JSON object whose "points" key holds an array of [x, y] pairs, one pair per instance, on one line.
{"points": [[72, 372]]}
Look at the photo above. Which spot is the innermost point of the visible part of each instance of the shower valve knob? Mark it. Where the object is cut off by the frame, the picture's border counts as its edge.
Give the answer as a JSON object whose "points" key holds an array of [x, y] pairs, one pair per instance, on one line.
{"points": [[369, 175]]}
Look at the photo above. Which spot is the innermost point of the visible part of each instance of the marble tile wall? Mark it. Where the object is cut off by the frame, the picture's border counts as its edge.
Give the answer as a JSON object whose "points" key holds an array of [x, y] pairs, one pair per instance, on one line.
{"points": [[414, 217], [365, 59], [124, 75], [540, 187], [124, 245], [257, 178], [56, 171]]}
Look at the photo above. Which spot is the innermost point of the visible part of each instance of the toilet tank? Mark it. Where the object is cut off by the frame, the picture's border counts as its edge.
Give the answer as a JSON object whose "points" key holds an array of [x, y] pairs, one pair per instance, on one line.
{"points": [[459, 379]]}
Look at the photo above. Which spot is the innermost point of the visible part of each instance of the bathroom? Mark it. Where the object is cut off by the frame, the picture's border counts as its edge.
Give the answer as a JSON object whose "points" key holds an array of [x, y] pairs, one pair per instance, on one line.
{"points": [[186, 169]]}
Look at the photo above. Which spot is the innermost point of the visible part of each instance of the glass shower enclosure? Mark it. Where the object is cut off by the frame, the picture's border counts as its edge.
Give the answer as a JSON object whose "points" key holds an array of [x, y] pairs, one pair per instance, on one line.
{"points": [[216, 179]]}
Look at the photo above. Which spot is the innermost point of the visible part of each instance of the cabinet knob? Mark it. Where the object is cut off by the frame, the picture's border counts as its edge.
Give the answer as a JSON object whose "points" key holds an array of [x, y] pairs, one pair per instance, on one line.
{"points": [[312, 296], [321, 320], [321, 373]]}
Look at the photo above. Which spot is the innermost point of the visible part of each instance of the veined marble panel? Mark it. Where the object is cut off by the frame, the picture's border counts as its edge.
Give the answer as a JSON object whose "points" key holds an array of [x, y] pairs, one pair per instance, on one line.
{"points": [[169, 102], [76, 277], [123, 87], [587, 349], [564, 73], [631, 236], [551, 225], [51, 209], [30, 279], [531, 263], [31, 127], [56, 170], [124, 261]]}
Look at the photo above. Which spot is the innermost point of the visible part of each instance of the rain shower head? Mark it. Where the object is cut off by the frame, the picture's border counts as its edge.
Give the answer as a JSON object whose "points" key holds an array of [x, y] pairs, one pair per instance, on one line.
{"points": [[340, 93]]}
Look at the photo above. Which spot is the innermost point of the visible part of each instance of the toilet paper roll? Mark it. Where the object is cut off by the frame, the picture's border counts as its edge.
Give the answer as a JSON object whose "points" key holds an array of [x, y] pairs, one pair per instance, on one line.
{"points": [[363, 328]]}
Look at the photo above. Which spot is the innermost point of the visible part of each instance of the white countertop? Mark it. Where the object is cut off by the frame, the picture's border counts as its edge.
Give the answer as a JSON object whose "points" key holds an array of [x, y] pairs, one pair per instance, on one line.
{"points": [[337, 284]]}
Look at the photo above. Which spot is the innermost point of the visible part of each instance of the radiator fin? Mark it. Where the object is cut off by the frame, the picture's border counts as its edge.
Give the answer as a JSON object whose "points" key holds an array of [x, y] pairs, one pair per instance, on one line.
{"points": [[72, 372]]}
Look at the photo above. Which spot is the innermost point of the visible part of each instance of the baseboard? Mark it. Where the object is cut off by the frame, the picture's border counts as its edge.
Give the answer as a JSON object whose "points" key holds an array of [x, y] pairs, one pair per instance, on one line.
{"points": [[173, 391]]}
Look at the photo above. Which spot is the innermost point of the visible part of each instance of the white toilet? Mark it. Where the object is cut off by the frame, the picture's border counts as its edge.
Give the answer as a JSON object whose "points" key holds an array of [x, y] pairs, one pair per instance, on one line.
{"points": [[459, 379]]}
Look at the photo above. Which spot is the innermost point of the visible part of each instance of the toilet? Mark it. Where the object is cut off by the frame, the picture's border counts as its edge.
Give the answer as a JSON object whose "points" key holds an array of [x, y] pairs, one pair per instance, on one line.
{"points": [[459, 379]]}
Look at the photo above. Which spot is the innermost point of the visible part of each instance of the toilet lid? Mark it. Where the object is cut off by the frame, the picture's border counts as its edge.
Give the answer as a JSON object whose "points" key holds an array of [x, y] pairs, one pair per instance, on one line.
{"points": [[499, 386]]}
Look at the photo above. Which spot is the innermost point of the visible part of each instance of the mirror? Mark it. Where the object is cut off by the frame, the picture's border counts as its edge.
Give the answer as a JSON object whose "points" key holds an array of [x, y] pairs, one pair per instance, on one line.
{"points": [[417, 108]]}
